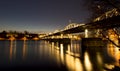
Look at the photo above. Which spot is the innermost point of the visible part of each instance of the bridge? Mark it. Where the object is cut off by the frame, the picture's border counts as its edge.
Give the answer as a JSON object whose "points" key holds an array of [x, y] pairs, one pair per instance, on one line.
{"points": [[99, 26], [108, 20]]}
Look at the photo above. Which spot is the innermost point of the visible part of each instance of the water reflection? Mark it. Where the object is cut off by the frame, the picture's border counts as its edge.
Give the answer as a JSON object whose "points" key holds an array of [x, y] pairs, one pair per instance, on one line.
{"points": [[88, 64], [24, 49], [12, 49], [62, 53], [94, 59], [67, 55], [73, 64], [45, 54], [114, 52], [74, 48]]}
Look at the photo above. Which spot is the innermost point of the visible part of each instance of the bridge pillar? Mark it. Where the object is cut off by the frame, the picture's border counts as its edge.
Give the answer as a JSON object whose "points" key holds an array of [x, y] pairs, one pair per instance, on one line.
{"points": [[90, 43]]}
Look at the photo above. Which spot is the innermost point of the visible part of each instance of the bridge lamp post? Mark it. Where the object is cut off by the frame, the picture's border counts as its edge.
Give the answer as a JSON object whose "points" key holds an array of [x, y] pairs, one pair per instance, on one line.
{"points": [[61, 35], [86, 33]]}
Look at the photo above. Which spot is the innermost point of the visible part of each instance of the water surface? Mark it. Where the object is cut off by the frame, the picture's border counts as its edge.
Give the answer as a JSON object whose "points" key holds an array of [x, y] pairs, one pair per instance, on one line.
{"points": [[44, 55]]}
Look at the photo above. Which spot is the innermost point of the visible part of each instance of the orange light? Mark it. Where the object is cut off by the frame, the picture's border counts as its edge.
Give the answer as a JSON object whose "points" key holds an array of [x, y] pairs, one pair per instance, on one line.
{"points": [[36, 38], [24, 38], [11, 38]]}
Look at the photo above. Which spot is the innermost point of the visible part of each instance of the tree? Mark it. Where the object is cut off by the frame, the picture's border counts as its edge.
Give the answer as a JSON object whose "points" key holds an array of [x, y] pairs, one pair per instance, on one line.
{"points": [[26, 32], [99, 7], [4, 32]]}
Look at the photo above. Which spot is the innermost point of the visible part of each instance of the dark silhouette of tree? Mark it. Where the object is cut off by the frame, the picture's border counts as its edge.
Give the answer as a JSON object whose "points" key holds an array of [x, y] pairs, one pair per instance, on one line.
{"points": [[26, 32], [99, 7], [3, 34]]}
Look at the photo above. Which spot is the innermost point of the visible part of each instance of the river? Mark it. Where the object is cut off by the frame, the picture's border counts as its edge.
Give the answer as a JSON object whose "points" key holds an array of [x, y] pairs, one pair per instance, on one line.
{"points": [[44, 55]]}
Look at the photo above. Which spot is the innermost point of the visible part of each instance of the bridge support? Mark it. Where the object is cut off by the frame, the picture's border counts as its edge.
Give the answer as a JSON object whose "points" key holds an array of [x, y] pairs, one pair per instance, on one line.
{"points": [[90, 43]]}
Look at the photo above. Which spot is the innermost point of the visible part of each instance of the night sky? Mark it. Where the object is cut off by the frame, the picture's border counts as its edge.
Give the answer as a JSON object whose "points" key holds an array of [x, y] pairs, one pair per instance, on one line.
{"points": [[41, 15]]}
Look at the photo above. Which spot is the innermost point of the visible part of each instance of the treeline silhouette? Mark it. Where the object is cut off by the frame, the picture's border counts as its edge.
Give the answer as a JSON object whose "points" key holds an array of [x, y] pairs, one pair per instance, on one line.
{"points": [[17, 35]]}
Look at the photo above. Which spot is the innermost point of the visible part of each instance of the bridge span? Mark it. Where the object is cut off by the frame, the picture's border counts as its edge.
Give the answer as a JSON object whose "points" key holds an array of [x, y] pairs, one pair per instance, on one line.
{"points": [[98, 28], [109, 20]]}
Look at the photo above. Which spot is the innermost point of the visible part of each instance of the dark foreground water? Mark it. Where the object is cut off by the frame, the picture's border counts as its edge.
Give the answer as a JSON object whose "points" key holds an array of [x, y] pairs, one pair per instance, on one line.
{"points": [[43, 55]]}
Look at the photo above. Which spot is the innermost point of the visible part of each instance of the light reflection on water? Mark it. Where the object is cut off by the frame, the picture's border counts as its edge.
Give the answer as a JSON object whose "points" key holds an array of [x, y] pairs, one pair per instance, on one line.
{"points": [[88, 64], [24, 50], [58, 54], [114, 52], [95, 58], [12, 49]]}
